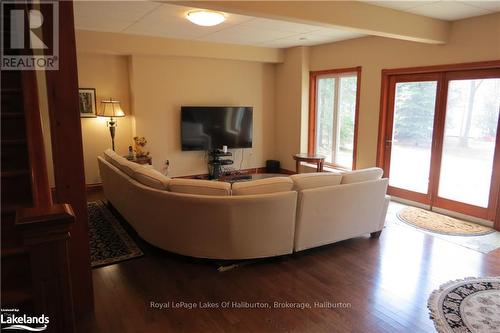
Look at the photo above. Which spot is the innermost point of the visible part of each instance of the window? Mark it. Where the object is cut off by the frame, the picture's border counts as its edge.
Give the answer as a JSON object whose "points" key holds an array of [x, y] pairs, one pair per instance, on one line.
{"points": [[333, 115]]}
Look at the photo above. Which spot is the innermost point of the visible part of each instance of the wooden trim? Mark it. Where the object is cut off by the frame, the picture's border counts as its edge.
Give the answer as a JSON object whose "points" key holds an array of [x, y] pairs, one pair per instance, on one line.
{"points": [[409, 195], [461, 207], [356, 118], [312, 114], [382, 121], [336, 71], [494, 213], [443, 68], [311, 138], [496, 223], [67, 153], [437, 138]]}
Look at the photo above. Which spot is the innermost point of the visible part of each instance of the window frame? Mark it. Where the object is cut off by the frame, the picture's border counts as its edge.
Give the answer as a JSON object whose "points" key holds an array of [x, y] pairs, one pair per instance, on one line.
{"points": [[313, 80]]}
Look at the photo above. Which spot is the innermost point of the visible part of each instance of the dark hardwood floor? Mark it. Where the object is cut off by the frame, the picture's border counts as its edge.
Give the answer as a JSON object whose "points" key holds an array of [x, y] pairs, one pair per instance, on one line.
{"points": [[384, 282]]}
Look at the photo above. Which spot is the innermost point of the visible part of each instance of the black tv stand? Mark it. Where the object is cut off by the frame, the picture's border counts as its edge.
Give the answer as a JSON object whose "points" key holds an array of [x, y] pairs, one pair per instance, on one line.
{"points": [[215, 161]]}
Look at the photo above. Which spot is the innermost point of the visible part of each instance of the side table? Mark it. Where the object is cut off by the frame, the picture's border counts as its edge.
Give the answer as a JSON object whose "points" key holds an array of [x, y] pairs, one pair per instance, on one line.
{"points": [[141, 160], [319, 160]]}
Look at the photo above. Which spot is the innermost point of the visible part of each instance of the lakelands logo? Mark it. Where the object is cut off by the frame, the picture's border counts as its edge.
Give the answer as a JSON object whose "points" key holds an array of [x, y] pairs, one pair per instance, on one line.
{"points": [[29, 41], [11, 319]]}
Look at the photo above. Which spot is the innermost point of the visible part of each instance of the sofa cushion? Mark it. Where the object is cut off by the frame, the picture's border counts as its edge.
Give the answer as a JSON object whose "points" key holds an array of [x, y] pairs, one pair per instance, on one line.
{"points": [[112, 157], [126, 166], [304, 181], [151, 177], [200, 187], [362, 175], [263, 186]]}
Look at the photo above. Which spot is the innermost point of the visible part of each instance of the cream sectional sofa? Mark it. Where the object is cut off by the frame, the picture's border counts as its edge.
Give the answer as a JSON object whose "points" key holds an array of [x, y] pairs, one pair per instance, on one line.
{"points": [[255, 219], [333, 207]]}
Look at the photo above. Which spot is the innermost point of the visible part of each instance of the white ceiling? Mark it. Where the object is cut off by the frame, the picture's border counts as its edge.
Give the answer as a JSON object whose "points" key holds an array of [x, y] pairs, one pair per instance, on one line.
{"points": [[443, 9], [166, 20]]}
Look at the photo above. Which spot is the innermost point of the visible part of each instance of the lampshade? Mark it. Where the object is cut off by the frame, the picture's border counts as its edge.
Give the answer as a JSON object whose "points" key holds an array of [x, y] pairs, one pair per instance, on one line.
{"points": [[110, 108]]}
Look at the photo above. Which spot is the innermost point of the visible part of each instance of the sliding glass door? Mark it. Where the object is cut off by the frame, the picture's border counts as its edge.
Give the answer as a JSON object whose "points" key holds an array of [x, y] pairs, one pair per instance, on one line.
{"points": [[468, 143], [441, 139], [411, 133]]}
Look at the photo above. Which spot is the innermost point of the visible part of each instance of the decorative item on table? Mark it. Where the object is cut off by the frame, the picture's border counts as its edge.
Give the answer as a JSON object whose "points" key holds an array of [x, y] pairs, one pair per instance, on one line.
{"points": [[165, 167], [130, 155], [139, 144], [111, 108], [87, 102]]}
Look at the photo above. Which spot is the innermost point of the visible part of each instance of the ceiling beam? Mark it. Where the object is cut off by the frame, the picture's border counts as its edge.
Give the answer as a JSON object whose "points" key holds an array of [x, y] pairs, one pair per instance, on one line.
{"points": [[125, 44], [353, 16]]}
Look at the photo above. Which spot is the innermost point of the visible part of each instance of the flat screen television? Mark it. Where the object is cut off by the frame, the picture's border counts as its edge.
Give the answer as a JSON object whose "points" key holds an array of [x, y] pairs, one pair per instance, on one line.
{"points": [[211, 127]]}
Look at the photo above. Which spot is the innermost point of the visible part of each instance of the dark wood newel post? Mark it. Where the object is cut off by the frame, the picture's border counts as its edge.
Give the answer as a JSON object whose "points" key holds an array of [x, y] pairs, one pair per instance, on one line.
{"points": [[46, 233]]}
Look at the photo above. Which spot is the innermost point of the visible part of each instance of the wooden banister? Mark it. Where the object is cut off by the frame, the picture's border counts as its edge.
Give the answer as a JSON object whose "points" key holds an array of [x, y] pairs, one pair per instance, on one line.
{"points": [[34, 135]]}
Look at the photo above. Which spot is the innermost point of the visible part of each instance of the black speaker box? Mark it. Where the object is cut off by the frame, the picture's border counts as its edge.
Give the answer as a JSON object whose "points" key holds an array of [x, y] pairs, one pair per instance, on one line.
{"points": [[273, 166]]}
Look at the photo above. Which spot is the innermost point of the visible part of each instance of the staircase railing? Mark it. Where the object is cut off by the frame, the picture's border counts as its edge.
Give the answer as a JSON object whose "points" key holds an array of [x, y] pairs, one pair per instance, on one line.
{"points": [[45, 227]]}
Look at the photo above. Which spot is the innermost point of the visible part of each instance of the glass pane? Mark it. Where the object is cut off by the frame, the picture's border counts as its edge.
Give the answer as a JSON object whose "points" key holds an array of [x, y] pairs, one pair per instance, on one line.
{"points": [[324, 117], [412, 135], [469, 140], [347, 111]]}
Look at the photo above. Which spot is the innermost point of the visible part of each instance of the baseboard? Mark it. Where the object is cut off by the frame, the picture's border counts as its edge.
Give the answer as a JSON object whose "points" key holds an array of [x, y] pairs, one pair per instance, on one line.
{"points": [[287, 172], [93, 187]]}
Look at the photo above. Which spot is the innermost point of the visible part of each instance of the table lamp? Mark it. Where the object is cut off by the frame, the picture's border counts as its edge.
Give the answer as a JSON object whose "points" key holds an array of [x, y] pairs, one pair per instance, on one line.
{"points": [[111, 108]]}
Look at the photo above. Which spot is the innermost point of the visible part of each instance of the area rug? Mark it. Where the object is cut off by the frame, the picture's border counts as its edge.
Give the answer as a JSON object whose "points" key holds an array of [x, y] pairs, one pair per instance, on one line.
{"points": [[470, 305], [109, 242], [441, 224]]}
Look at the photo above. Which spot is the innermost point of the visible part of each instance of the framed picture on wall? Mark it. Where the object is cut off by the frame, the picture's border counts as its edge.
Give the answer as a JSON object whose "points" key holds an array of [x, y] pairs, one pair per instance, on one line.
{"points": [[87, 103]]}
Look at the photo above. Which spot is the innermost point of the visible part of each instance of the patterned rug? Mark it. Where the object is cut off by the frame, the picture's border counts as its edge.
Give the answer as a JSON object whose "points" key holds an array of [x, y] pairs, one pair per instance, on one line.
{"points": [[471, 305], [439, 223], [109, 242]]}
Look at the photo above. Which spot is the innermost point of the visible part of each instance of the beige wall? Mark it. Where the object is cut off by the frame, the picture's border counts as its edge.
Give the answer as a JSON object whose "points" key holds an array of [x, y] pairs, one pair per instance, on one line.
{"points": [[162, 84], [475, 39], [291, 106], [108, 74]]}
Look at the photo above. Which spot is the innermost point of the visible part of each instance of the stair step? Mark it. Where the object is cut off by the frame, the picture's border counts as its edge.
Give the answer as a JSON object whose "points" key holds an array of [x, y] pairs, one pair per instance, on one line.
{"points": [[11, 238], [12, 115], [12, 101], [10, 90], [10, 207], [11, 80], [14, 157], [12, 142], [13, 128], [15, 297], [13, 251], [14, 173]]}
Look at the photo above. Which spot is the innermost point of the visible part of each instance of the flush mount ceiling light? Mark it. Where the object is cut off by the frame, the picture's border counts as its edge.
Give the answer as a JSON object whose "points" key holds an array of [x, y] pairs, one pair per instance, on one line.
{"points": [[205, 18]]}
